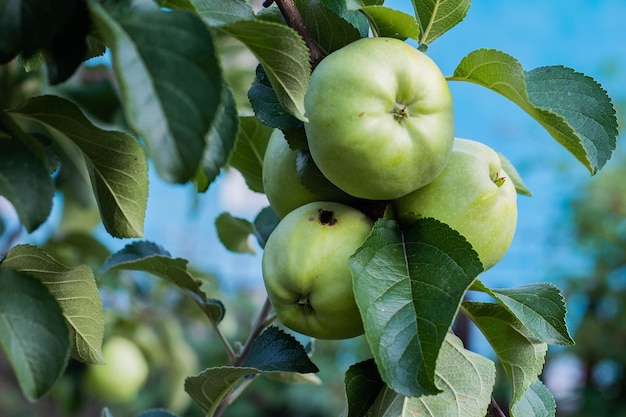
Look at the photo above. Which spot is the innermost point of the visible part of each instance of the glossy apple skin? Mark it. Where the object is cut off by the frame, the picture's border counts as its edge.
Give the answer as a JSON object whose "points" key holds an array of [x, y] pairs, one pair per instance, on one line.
{"points": [[306, 272], [124, 374], [474, 196], [380, 118], [281, 184]]}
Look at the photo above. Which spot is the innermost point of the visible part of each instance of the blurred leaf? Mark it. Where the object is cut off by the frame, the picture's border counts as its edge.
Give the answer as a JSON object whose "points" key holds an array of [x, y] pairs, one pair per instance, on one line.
{"points": [[536, 402], [234, 233], [25, 181], [76, 292], [408, 286], [28, 25], [266, 105], [436, 17], [264, 224], [508, 167], [387, 22], [105, 413], [76, 247], [571, 106], [329, 30], [152, 258], [224, 12], [363, 385], [276, 351], [220, 140], [159, 412], [33, 332], [288, 73], [116, 161], [521, 357], [250, 146], [539, 306], [295, 378], [273, 351], [172, 115]]}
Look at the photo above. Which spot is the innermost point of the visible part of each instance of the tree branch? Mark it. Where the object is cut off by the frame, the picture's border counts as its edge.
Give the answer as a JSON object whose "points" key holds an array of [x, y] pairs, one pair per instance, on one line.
{"points": [[294, 19], [494, 409]]}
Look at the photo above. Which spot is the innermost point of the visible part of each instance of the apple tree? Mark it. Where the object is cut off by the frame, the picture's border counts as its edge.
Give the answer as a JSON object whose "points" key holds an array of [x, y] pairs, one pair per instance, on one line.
{"points": [[349, 130]]}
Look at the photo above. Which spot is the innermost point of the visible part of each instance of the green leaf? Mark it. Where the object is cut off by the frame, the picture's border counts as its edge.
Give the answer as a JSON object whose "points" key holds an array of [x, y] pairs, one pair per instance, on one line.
{"points": [[249, 151], [105, 413], [467, 380], [172, 115], [536, 402], [157, 412], [363, 384], [436, 17], [351, 15], [266, 105], [76, 292], [26, 182], [116, 162], [235, 233], [224, 12], [571, 106], [539, 306], [511, 171], [273, 352], [520, 355], [312, 178], [408, 287], [276, 351], [220, 140], [264, 224], [329, 30], [387, 22], [33, 332], [288, 73]]}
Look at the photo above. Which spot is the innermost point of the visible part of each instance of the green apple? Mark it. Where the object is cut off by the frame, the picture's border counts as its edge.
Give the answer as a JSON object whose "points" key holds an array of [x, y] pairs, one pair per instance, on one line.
{"points": [[124, 374], [380, 118], [474, 196], [306, 271], [281, 184]]}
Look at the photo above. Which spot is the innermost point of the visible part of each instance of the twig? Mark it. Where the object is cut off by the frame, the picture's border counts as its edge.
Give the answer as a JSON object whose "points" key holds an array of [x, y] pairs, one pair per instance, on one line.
{"points": [[494, 409], [294, 19]]}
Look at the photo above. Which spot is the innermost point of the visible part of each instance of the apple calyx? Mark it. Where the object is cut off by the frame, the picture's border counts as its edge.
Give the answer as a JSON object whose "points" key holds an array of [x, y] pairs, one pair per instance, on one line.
{"points": [[499, 181], [305, 303], [400, 112]]}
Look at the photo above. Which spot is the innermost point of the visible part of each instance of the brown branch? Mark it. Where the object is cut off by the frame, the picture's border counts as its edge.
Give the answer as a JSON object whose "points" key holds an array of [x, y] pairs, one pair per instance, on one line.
{"points": [[494, 409], [294, 19]]}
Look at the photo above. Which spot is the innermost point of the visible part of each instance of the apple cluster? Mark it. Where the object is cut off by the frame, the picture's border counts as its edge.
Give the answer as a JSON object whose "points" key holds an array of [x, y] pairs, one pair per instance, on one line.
{"points": [[380, 129]]}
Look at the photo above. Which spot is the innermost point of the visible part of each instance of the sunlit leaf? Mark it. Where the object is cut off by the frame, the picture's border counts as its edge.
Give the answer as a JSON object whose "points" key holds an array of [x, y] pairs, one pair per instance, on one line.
{"points": [[392, 23], [235, 233], [249, 151], [436, 17]]}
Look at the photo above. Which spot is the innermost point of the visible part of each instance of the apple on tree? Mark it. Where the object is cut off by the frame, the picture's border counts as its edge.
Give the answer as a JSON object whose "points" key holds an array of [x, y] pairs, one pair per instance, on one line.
{"points": [[306, 271], [124, 373], [473, 195], [380, 118], [281, 184]]}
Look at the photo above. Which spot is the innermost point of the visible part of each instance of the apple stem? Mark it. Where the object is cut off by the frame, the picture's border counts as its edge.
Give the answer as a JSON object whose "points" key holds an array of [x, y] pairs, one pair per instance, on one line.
{"points": [[294, 19]]}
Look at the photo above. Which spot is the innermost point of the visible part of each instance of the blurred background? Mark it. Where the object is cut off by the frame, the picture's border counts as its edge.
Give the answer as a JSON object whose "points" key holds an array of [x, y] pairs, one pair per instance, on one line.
{"points": [[571, 232]]}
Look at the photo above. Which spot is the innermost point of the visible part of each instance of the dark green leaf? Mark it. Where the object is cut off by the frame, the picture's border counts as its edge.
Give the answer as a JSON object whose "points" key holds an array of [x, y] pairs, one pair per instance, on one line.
{"points": [[536, 402], [266, 105], [33, 332], [223, 12], [288, 73], [76, 292], [571, 106], [220, 140], [172, 115], [116, 161], [351, 15], [250, 146], [152, 258], [264, 224], [25, 181], [363, 384], [313, 179], [387, 22], [408, 286], [436, 17], [520, 355], [540, 307], [235, 233], [210, 386], [276, 351], [328, 29]]}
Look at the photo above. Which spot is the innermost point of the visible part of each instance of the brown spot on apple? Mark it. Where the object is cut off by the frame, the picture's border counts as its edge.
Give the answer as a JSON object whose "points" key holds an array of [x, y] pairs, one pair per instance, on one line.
{"points": [[327, 218]]}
